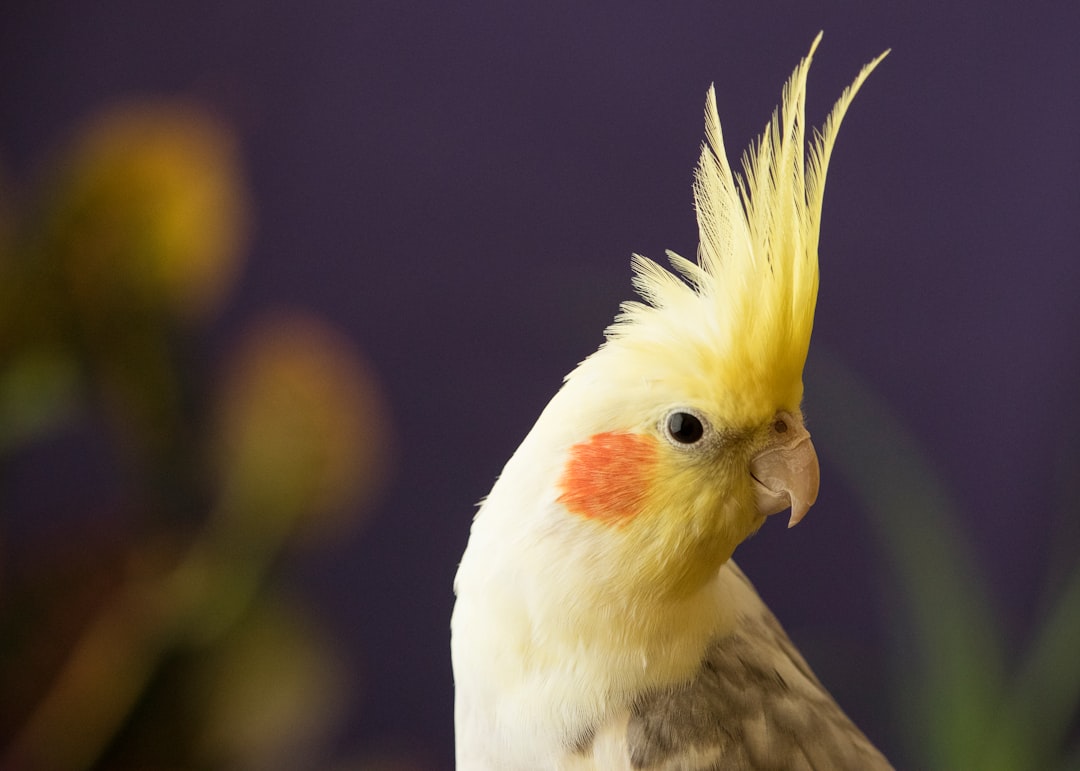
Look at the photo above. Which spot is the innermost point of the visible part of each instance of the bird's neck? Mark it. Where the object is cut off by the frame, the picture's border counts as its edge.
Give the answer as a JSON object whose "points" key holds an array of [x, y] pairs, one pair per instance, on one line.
{"points": [[544, 662], [553, 632]]}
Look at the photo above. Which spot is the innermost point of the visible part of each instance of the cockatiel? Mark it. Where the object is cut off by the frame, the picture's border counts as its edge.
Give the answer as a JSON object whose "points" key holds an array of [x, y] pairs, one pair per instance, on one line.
{"points": [[600, 622]]}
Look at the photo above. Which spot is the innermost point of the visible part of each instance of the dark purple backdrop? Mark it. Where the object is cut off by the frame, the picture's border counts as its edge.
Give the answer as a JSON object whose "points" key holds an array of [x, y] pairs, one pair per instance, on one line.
{"points": [[460, 186]]}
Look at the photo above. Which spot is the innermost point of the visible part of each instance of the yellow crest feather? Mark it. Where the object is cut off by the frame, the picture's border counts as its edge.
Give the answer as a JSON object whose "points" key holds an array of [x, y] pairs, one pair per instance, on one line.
{"points": [[747, 305]]}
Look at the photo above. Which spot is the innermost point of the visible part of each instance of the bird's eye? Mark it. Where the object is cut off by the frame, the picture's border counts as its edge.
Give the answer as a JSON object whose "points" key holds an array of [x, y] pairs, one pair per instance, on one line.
{"points": [[684, 427]]}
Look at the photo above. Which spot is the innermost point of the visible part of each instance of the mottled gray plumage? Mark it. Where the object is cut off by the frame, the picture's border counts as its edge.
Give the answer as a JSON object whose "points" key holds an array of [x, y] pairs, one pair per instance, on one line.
{"points": [[755, 704]]}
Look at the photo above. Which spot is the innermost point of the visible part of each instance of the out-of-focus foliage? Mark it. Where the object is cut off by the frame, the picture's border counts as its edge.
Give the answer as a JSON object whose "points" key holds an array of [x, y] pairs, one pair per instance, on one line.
{"points": [[963, 704], [160, 638]]}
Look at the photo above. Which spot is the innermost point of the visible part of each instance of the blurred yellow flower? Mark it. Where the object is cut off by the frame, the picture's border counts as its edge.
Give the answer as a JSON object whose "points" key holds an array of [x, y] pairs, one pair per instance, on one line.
{"points": [[150, 209], [302, 424], [270, 692]]}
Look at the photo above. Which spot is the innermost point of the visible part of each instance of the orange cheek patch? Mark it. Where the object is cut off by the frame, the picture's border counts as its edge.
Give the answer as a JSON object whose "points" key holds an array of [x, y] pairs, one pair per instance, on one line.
{"points": [[608, 476]]}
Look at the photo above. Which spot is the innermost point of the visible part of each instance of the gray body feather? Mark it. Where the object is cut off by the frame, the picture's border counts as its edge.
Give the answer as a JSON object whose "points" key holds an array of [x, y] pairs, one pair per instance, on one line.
{"points": [[754, 704]]}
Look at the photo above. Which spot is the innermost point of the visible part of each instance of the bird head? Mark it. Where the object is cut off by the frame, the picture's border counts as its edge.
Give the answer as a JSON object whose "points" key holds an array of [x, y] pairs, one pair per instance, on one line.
{"points": [[675, 441], [685, 431]]}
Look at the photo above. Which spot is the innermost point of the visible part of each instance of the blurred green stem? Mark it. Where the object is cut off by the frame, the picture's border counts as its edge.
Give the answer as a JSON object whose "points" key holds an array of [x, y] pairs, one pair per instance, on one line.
{"points": [[194, 603], [956, 693], [1033, 724]]}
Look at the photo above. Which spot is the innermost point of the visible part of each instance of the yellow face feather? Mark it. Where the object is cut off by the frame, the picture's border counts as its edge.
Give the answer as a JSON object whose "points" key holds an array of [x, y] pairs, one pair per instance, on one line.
{"points": [[737, 330]]}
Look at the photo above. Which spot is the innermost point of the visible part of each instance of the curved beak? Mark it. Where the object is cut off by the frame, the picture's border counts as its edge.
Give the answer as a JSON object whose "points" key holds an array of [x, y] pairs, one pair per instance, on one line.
{"points": [[786, 475]]}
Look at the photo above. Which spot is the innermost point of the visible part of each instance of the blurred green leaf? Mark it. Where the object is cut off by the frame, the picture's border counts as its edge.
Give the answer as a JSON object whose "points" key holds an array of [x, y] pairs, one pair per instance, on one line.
{"points": [[38, 390], [1033, 725], [952, 701]]}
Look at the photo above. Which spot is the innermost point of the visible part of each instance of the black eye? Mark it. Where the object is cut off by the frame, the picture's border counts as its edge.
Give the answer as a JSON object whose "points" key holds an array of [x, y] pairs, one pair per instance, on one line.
{"points": [[684, 428]]}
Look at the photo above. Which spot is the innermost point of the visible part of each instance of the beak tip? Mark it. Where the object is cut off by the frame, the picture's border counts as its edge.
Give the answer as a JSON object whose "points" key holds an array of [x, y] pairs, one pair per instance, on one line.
{"points": [[787, 476]]}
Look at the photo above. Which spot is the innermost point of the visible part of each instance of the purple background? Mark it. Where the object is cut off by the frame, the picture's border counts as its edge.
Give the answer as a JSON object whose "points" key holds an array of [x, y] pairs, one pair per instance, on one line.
{"points": [[460, 186]]}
